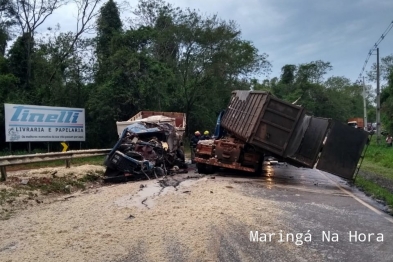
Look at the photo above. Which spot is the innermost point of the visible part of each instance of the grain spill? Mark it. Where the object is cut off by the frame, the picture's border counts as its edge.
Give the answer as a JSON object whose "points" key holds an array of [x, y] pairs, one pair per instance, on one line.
{"points": [[107, 224]]}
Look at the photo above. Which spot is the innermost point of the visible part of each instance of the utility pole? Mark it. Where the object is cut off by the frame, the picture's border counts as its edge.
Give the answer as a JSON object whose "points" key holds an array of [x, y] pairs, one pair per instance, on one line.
{"points": [[364, 106], [378, 103]]}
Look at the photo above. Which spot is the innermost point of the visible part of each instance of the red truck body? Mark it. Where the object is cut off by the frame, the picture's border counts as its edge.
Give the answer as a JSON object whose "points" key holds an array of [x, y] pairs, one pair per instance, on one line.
{"points": [[359, 122]]}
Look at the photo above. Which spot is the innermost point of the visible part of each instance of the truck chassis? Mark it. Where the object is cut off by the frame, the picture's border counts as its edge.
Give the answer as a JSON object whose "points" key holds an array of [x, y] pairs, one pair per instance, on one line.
{"points": [[227, 153]]}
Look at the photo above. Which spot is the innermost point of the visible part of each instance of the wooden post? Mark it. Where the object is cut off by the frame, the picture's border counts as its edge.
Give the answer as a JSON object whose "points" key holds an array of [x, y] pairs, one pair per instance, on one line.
{"points": [[68, 164], [3, 173]]}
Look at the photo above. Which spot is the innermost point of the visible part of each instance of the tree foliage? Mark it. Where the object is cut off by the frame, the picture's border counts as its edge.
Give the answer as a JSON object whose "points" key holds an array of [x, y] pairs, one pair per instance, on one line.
{"points": [[168, 59]]}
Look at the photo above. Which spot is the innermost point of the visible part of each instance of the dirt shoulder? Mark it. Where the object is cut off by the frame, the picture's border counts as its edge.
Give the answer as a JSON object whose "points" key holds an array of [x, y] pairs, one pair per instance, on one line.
{"points": [[37, 186]]}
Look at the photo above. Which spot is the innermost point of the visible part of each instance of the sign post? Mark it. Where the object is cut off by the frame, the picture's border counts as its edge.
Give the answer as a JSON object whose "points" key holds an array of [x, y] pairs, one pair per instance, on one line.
{"points": [[3, 176], [65, 148]]}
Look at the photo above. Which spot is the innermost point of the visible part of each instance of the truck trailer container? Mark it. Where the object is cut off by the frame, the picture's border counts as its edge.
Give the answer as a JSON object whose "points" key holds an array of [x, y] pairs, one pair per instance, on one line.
{"points": [[260, 119], [257, 123]]}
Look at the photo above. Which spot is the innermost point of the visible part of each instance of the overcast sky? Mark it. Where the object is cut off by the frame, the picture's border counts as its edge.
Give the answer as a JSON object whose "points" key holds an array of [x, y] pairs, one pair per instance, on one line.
{"points": [[297, 31]]}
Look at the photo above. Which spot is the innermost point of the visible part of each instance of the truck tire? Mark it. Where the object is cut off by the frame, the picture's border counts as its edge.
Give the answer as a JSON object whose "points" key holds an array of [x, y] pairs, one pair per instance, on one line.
{"points": [[201, 168], [210, 169], [259, 166], [180, 154], [206, 169]]}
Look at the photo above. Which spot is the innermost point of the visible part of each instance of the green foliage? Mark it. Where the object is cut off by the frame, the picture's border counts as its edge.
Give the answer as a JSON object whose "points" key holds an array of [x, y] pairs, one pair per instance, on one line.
{"points": [[387, 104], [385, 68], [169, 59], [380, 154], [336, 97], [109, 26], [375, 190], [18, 61], [172, 60]]}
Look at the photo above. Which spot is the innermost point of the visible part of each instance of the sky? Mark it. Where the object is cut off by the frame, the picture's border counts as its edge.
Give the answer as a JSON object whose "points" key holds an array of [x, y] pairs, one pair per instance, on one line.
{"points": [[341, 32]]}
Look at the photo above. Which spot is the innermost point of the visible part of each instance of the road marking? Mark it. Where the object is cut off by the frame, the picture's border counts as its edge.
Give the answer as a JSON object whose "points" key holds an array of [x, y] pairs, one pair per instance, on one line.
{"points": [[379, 212]]}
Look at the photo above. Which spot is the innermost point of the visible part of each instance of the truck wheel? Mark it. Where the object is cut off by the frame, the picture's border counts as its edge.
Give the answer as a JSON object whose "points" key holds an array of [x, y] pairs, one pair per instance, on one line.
{"points": [[210, 169], [205, 169], [180, 154], [259, 166], [201, 168]]}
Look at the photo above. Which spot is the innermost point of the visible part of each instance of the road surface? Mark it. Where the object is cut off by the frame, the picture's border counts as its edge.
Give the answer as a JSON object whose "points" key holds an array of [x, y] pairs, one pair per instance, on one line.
{"points": [[223, 217]]}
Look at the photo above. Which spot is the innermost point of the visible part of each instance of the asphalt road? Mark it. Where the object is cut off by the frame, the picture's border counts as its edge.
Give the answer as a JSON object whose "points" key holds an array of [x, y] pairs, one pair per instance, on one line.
{"points": [[342, 223], [285, 214]]}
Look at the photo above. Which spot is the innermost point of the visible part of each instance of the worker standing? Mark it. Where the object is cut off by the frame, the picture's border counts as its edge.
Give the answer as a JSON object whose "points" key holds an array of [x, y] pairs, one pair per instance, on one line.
{"points": [[206, 135], [193, 144]]}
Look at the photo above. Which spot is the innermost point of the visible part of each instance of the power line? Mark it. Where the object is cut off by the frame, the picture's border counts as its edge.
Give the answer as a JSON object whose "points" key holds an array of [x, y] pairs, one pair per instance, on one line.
{"points": [[390, 26]]}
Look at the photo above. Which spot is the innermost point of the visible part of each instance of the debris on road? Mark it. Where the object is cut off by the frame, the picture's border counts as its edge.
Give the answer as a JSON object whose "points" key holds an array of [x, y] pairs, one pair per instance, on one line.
{"points": [[130, 217], [24, 181], [146, 151]]}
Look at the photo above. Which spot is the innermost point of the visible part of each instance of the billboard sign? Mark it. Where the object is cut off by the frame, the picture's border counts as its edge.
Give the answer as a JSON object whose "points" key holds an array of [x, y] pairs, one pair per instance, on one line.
{"points": [[28, 123]]}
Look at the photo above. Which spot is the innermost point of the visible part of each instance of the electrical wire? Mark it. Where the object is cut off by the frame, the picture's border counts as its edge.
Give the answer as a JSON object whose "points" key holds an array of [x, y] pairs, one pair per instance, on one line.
{"points": [[390, 26]]}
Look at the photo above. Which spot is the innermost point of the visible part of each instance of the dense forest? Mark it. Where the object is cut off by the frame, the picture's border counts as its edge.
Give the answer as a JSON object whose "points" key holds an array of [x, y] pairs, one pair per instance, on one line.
{"points": [[165, 58]]}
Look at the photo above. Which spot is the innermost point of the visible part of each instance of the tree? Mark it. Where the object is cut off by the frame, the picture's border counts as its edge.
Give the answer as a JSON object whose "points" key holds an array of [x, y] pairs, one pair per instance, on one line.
{"points": [[29, 15], [67, 87], [4, 37], [19, 56], [288, 74], [313, 72], [165, 46], [134, 81], [386, 67], [7, 21], [108, 25], [345, 99], [387, 104], [86, 14], [212, 52]]}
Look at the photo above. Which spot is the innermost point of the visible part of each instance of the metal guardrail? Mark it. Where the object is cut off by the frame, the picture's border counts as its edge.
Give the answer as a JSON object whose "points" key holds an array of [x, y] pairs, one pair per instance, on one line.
{"points": [[34, 158]]}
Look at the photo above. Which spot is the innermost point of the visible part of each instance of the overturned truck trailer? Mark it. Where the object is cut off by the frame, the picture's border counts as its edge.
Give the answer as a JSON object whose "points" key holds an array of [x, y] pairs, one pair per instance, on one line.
{"points": [[257, 123]]}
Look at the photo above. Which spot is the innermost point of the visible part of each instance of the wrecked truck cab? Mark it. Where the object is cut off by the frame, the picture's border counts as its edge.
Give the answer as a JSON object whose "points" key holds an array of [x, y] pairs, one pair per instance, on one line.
{"points": [[145, 151]]}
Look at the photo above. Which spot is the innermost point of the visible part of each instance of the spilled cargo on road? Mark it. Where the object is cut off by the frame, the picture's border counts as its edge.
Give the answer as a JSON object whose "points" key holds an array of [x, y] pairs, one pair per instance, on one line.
{"points": [[256, 123]]}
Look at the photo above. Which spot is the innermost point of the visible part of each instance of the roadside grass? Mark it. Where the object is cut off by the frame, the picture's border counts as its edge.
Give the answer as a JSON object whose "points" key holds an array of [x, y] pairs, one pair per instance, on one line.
{"points": [[63, 185], [380, 154], [374, 190], [8, 195], [378, 164], [6, 152], [376, 168], [54, 185]]}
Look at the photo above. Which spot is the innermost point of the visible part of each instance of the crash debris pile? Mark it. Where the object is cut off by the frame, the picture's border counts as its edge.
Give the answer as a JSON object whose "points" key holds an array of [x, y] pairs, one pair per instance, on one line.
{"points": [[146, 151]]}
